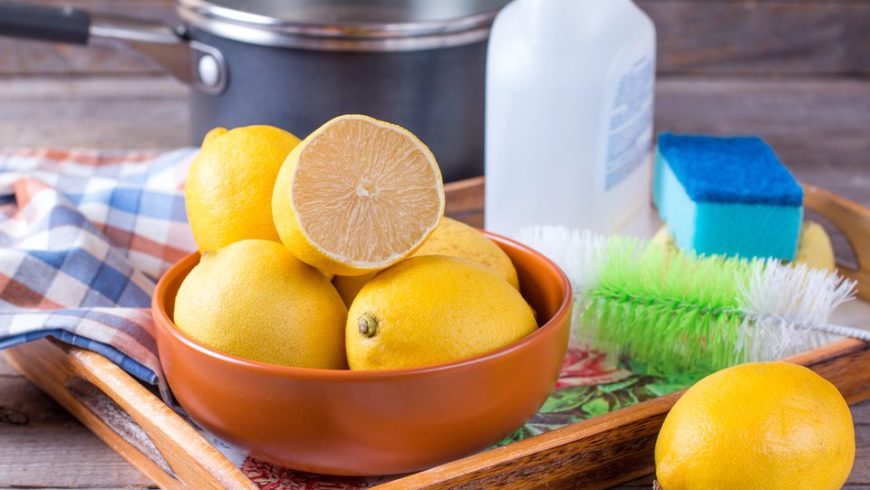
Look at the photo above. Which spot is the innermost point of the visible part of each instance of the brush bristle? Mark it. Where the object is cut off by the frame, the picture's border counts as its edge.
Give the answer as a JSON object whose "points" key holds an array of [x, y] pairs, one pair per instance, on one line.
{"points": [[672, 311], [780, 301]]}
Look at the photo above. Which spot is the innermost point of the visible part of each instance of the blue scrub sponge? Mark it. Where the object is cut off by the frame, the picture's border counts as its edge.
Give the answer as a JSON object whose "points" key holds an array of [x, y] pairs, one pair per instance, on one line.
{"points": [[727, 196]]}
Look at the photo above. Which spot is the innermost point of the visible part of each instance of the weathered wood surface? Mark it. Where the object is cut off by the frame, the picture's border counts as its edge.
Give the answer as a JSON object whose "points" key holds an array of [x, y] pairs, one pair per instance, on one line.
{"points": [[820, 128], [41, 445], [762, 37], [721, 37]]}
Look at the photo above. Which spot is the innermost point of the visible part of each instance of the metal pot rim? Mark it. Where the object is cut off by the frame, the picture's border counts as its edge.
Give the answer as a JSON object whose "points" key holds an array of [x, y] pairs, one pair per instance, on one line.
{"points": [[264, 30]]}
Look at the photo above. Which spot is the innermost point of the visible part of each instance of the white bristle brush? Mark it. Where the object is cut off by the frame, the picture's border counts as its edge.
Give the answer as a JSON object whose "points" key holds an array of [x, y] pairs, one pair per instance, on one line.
{"points": [[671, 310]]}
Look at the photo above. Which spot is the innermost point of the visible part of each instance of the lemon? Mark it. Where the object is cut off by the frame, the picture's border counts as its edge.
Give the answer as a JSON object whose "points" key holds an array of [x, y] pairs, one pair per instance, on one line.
{"points": [[357, 195], [229, 185], [814, 245], [757, 426], [664, 238], [432, 310], [454, 239], [253, 299]]}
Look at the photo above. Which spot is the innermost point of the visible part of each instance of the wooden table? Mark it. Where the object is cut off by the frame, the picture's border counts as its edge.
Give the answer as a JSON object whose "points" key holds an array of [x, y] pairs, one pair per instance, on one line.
{"points": [[820, 128]]}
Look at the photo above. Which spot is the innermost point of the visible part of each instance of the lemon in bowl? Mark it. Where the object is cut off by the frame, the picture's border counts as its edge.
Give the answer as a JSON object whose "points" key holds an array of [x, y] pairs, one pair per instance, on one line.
{"points": [[453, 239], [357, 195], [228, 192], [253, 299], [432, 310]]}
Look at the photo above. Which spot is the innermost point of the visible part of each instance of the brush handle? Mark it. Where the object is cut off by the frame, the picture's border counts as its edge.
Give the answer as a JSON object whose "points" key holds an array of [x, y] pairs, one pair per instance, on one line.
{"points": [[844, 331], [829, 328]]}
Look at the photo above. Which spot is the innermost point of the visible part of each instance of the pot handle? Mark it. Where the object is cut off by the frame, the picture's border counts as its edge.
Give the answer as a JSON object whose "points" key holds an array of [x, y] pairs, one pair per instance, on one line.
{"points": [[58, 24], [197, 64]]}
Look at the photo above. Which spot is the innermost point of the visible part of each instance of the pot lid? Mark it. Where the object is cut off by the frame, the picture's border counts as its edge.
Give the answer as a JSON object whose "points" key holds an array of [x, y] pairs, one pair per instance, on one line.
{"points": [[357, 25]]}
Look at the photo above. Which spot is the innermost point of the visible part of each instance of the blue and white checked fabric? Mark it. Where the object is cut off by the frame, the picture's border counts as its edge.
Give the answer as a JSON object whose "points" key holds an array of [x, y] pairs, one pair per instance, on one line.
{"points": [[84, 236]]}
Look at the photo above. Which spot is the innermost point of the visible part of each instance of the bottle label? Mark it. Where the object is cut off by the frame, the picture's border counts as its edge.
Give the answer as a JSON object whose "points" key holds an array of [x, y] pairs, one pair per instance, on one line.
{"points": [[631, 120]]}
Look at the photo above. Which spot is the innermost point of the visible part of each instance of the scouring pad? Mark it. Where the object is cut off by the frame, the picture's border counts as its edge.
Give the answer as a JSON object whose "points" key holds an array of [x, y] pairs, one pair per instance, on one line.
{"points": [[727, 196]]}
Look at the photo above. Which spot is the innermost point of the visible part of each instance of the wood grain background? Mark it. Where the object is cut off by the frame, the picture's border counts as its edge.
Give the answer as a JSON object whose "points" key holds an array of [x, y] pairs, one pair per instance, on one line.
{"points": [[779, 38], [796, 72]]}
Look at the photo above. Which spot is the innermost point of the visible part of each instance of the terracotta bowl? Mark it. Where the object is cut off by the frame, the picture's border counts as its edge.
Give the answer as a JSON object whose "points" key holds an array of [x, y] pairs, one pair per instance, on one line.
{"points": [[345, 422]]}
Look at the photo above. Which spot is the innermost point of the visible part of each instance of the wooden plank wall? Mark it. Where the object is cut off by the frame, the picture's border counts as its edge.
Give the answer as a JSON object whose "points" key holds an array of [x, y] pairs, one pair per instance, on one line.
{"points": [[741, 38]]}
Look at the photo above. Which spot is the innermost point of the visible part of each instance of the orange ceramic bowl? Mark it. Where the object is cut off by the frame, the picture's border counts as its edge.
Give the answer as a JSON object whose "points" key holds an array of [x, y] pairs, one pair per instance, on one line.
{"points": [[345, 422]]}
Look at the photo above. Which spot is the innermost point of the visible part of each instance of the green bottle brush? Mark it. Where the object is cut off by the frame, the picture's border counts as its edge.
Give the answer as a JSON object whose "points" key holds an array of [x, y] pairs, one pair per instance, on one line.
{"points": [[672, 311]]}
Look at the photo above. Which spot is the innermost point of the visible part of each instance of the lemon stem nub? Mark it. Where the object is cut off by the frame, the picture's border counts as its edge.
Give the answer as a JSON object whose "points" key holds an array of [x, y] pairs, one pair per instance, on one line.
{"points": [[368, 325]]}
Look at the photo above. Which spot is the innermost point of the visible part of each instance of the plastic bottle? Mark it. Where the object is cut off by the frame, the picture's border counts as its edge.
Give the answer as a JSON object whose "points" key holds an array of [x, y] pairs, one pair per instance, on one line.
{"points": [[569, 115]]}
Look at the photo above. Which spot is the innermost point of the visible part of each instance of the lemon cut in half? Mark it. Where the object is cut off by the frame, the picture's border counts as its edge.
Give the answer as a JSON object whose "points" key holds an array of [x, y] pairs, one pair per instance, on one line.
{"points": [[357, 195]]}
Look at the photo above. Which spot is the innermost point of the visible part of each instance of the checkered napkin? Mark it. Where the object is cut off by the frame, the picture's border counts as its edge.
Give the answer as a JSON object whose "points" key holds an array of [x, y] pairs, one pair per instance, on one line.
{"points": [[84, 236]]}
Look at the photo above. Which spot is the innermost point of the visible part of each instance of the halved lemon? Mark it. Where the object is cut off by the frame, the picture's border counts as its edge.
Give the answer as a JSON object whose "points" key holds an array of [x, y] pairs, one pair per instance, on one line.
{"points": [[357, 195]]}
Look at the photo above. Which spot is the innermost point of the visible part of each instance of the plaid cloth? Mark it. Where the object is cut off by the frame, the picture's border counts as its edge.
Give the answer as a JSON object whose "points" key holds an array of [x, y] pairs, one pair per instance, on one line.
{"points": [[84, 236]]}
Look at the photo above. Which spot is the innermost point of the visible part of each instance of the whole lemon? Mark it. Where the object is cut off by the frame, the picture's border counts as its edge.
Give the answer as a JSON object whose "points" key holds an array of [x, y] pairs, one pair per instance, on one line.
{"points": [[432, 310], [764, 426], [230, 182], [454, 239], [255, 300]]}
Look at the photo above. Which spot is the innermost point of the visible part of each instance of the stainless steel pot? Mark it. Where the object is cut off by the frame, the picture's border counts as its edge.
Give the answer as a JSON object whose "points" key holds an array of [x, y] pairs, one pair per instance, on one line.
{"points": [[297, 63]]}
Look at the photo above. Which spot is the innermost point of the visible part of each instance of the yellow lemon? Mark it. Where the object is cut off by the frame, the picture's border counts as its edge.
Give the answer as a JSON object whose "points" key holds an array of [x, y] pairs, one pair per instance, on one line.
{"points": [[229, 186], [814, 245], [664, 238], [357, 195], [253, 299], [757, 426], [454, 239], [432, 310]]}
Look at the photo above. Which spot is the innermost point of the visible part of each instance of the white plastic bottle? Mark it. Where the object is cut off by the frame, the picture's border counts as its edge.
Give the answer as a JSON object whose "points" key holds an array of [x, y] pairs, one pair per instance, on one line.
{"points": [[569, 115]]}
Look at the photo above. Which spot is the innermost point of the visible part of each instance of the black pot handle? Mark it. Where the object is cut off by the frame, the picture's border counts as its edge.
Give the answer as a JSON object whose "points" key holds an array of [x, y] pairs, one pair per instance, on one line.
{"points": [[200, 65], [56, 24]]}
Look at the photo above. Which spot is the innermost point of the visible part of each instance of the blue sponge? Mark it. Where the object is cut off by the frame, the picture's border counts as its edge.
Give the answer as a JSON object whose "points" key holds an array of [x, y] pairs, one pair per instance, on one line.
{"points": [[727, 196]]}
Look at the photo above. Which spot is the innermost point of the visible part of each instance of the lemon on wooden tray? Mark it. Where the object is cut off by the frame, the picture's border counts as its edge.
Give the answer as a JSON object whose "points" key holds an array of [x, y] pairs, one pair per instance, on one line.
{"points": [[454, 239], [357, 195], [229, 186], [432, 310], [757, 426], [255, 300], [814, 245]]}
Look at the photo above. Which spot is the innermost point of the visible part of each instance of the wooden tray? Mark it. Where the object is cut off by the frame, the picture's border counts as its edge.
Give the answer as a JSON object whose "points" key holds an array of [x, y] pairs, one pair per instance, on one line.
{"points": [[597, 453]]}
